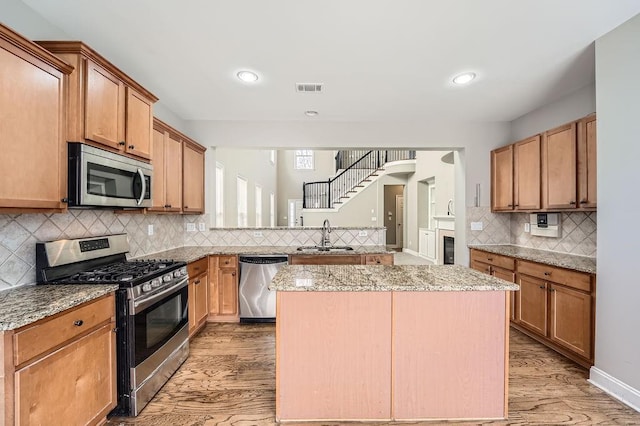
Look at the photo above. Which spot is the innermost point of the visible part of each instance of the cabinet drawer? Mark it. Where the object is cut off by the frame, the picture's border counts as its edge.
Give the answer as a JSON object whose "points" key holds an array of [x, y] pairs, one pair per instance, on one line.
{"points": [[198, 267], [48, 334], [227, 261], [577, 280], [378, 259], [325, 259], [493, 259]]}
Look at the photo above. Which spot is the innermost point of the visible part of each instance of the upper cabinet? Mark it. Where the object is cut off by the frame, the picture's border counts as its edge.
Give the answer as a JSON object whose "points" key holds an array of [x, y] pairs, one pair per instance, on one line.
{"points": [[555, 171], [32, 129], [515, 176], [106, 108], [587, 190], [178, 171], [193, 177]]}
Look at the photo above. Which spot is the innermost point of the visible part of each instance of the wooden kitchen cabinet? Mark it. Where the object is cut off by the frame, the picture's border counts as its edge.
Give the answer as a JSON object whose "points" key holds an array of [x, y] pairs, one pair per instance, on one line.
{"points": [[532, 300], [502, 179], [193, 177], [587, 163], [559, 153], [571, 319], [32, 134], [167, 169], [341, 259], [378, 259], [500, 267], [223, 288], [70, 356], [526, 174], [106, 108], [198, 294]]}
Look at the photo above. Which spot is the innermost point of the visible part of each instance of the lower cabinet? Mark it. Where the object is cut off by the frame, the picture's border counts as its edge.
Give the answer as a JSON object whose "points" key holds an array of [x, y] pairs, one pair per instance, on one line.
{"points": [[500, 267], [223, 288], [198, 294], [532, 300], [62, 369]]}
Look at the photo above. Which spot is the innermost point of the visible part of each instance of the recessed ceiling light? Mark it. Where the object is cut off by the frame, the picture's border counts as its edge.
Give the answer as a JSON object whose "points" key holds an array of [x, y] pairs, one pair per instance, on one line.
{"points": [[465, 78], [311, 113], [247, 76]]}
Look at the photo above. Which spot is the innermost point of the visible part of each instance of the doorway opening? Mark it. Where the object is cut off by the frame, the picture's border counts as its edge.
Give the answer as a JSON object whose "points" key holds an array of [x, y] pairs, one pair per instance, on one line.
{"points": [[393, 215]]}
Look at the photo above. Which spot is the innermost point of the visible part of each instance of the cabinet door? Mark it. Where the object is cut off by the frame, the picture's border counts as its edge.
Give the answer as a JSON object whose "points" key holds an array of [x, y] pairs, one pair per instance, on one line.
{"points": [[587, 139], [202, 301], [139, 124], [192, 306], [228, 291], [481, 267], [532, 301], [193, 178], [508, 275], [559, 168], [32, 132], [571, 320], [173, 173], [75, 385], [214, 293], [526, 156], [158, 189], [104, 107], [502, 179]]}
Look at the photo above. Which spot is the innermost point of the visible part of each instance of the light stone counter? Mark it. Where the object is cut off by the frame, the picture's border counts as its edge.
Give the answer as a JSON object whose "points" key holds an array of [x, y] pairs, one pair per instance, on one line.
{"points": [[562, 260], [385, 278], [27, 304], [191, 254]]}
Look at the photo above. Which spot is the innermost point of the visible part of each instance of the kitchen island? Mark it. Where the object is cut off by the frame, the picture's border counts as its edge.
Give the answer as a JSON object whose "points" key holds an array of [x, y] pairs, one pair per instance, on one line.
{"points": [[390, 343]]}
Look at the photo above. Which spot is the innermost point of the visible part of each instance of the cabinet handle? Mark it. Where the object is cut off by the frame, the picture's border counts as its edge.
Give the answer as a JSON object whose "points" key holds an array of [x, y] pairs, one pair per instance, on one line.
{"points": [[167, 206], [517, 205], [196, 282], [132, 146], [509, 205], [122, 143], [490, 259], [547, 274], [233, 274], [573, 203], [78, 323], [542, 287], [186, 207], [65, 200], [584, 201], [552, 289]]}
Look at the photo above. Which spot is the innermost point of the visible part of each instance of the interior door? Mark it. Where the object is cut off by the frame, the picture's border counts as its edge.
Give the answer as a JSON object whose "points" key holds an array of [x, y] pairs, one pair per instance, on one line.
{"points": [[295, 213], [399, 220]]}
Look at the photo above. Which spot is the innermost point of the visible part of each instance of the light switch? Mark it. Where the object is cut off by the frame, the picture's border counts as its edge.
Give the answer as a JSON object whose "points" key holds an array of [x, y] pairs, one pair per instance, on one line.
{"points": [[150, 230], [257, 234], [191, 227], [527, 227], [202, 227]]}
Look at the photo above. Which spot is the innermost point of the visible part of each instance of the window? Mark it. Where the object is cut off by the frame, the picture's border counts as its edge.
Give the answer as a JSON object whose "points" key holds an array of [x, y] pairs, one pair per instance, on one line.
{"points": [[258, 206], [219, 195], [303, 159], [242, 201], [272, 210]]}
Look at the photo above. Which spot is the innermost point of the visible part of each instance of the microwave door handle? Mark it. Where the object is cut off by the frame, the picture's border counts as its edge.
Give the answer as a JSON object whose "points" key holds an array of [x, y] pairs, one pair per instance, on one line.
{"points": [[144, 187]]}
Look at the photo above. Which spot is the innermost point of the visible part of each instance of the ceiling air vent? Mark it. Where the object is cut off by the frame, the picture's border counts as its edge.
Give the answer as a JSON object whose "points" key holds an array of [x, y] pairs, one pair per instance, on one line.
{"points": [[309, 87]]}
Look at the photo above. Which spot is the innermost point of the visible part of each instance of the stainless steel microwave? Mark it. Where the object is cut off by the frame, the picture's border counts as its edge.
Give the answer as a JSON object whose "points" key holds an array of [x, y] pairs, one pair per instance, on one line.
{"points": [[99, 178]]}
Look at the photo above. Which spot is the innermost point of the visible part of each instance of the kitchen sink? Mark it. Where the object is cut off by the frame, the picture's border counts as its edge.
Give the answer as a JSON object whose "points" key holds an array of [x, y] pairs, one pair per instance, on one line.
{"points": [[327, 248]]}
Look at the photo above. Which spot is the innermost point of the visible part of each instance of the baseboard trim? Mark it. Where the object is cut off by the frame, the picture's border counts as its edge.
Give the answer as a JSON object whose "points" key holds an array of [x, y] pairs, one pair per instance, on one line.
{"points": [[614, 387], [411, 252]]}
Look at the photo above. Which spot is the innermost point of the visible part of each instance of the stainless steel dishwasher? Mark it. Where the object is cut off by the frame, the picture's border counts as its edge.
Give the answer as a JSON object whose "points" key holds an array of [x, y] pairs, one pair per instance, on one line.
{"points": [[257, 302]]}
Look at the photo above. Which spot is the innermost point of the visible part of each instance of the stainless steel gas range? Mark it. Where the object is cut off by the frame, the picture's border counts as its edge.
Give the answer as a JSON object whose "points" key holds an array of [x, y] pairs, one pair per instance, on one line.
{"points": [[152, 329]]}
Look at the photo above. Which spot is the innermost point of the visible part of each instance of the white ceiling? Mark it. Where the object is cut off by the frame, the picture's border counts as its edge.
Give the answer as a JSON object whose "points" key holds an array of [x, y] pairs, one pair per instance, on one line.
{"points": [[379, 60]]}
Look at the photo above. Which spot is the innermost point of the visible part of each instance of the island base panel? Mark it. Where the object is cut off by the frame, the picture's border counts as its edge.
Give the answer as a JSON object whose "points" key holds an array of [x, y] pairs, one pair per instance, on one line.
{"points": [[333, 359]]}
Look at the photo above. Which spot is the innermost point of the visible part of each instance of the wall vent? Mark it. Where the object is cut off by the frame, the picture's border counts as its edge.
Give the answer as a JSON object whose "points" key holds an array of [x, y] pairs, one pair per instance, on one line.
{"points": [[309, 87]]}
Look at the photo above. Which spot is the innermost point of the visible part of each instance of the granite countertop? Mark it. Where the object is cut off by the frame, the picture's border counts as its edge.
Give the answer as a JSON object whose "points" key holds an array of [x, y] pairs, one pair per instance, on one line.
{"points": [[27, 304], [552, 258], [192, 253], [385, 278]]}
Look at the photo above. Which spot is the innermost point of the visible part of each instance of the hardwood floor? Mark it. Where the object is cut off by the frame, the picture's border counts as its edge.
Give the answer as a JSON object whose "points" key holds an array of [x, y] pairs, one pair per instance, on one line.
{"points": [[229, 380]]}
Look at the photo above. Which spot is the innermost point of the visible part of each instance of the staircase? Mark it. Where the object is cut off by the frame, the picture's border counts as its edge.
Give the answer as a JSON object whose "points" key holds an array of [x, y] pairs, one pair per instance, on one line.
{"points": [[360, 167]]}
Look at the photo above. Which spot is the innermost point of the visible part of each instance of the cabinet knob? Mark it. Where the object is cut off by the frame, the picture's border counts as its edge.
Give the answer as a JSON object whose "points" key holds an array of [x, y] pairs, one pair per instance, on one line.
{"points": [[167, 206], [122, 143], [542, 286], [233, 274], [186, 207], [509, 205], [78, 323], [196, 282], [547, 274], [517, 205], [132, 146], [573, 203], [65, 200], [490, 259], [584, 201]]}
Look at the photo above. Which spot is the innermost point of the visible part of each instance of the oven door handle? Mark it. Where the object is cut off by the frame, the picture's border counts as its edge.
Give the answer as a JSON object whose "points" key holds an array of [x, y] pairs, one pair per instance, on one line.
{"points": [[140, 305]]}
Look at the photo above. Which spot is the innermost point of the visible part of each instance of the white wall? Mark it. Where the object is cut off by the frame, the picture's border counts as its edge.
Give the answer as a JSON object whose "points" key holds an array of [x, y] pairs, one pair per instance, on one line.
{"points": [[617, 356], [255, 166], [21, 18], [569, 108], [473, 141], [290, 180]]}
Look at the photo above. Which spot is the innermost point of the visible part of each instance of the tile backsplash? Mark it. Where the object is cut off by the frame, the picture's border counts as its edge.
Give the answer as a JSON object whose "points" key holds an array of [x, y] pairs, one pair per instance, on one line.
{"points": [[578, 231], [20, 232]]}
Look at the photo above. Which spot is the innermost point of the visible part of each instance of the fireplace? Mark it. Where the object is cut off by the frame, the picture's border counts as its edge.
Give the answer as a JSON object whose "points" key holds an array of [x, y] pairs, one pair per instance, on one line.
{"points": [[449, 249]]}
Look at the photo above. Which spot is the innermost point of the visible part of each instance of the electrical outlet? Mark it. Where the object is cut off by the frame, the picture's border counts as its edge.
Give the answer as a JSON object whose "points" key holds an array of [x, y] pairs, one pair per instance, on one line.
{"points": [[373, 219], [149, 229], [476, 226], [527, 227], [191, 227], [362, 234], [202, 227], [257, 234]]}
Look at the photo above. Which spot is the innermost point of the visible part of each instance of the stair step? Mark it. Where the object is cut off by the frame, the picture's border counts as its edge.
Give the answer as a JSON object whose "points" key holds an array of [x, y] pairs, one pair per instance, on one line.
{"points": [[351, 192], [337, 202]]}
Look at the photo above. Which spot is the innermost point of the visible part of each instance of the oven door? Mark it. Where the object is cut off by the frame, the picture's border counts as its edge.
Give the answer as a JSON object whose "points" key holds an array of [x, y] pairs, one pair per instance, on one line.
{"points": [[159, 328]]}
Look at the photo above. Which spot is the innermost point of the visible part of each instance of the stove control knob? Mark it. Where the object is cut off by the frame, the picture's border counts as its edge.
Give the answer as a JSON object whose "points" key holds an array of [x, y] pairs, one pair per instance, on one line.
{"points": [[183, 271], [177, 273], [146, 287], [167, 278], [156, 283]]}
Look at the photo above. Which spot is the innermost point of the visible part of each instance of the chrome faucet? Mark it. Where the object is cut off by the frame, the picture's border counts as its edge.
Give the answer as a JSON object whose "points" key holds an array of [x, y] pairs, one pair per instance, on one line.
{"points": [[326, 230]]}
